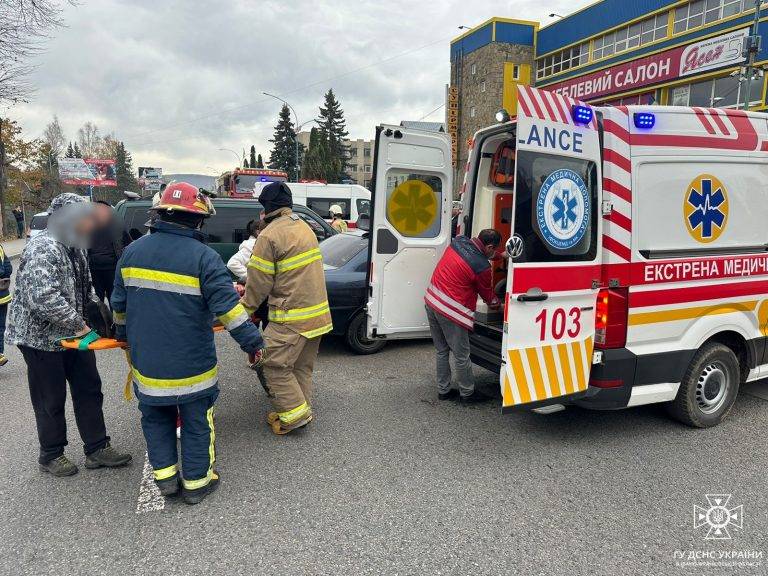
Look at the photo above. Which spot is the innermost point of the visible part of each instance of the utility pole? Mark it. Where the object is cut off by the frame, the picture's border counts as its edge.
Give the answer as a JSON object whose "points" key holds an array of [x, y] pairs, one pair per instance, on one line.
{"points": [[752, 46]]}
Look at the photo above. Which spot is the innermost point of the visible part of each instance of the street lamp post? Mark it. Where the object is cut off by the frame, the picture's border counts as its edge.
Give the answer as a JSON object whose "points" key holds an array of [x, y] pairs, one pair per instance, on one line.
{"points": [[296, 132], [233, 152], [752, 48]]}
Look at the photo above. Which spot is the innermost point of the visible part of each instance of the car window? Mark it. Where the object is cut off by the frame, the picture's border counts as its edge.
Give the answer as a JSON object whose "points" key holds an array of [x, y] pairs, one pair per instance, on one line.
{"points": [[38, 222], [363, 206], [229, 225], [341, 248], [323, 205]]}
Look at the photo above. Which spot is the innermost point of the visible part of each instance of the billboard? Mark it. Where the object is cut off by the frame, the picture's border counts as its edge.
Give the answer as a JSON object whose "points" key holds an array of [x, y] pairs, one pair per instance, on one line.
{"points": [[87, 172], [150, 179], [701, 56]]}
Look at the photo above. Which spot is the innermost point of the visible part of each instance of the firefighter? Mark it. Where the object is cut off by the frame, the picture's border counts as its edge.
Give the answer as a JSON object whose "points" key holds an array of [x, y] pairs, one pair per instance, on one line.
{"points": [[167, 287], [337, 221], [463, 273], [286, 266]]}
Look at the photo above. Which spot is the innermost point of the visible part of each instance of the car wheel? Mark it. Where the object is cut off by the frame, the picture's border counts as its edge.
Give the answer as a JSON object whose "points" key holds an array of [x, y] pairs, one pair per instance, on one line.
{"points": [[358, 340], [709, 387]]}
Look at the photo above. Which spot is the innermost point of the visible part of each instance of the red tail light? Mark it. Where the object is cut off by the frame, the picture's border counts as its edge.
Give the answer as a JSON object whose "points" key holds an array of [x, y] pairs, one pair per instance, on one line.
{"points": [[611, 319]]}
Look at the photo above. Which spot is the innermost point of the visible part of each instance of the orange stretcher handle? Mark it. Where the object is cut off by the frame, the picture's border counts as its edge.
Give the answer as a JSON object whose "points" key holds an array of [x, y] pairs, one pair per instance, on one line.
{"points": [[108, 343]]}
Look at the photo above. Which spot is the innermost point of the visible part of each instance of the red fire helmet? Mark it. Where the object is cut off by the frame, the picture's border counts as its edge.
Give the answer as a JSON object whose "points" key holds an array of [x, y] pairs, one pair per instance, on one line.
{"points": [[185, 197]]}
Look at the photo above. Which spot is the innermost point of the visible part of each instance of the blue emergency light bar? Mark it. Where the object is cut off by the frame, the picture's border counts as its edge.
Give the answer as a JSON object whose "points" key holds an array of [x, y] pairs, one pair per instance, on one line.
{"points": [[582, 114], [644, 120]]}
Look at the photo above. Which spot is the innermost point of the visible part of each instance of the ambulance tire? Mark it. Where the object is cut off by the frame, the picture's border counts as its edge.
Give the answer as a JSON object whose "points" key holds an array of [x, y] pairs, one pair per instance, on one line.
{"points": [[709, 387], [358, 340]]}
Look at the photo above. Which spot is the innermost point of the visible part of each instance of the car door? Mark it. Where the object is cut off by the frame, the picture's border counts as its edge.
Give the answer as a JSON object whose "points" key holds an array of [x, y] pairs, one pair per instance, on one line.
{"points": [[410, 227], [555, 253]]}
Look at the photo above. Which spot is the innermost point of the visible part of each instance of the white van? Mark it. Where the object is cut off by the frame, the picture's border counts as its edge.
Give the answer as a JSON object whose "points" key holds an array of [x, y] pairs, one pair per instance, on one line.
{"points": [[637, 245], [351, 198]]}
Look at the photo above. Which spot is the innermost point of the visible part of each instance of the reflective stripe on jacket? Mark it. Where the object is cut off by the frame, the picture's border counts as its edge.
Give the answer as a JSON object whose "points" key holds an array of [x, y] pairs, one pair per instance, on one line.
{"points": [[462, 274], [6, 269], [168, 287], [286, 268]]}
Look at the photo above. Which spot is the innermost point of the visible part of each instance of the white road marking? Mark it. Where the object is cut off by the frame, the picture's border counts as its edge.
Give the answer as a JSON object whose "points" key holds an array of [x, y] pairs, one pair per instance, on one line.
{"points": [[150, 499]]}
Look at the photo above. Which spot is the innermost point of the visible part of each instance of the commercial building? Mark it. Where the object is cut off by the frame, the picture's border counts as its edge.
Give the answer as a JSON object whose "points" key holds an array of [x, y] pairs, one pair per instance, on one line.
{"points": [[613, 52], [360, 158]]}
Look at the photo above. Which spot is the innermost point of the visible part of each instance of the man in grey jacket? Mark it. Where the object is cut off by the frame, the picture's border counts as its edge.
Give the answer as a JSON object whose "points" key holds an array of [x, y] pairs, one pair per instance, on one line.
{"points": [[53, 287]]}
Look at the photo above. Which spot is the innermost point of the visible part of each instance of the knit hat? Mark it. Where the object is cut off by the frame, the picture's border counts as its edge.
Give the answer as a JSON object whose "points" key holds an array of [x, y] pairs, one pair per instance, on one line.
{"points": [[275, 196]]}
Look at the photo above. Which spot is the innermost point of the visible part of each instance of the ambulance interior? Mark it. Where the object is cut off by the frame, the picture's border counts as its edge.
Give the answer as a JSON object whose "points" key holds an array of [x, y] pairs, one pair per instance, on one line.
{"points": [[491, 207]]}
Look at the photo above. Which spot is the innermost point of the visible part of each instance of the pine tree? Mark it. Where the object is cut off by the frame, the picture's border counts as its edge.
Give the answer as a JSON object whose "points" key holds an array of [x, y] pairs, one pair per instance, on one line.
{"points": [[333, 130], [245, 163], [283, 155], [317, 164], [253, 157], [126, 180], [259, 162], [70, 151], [76, 153]]}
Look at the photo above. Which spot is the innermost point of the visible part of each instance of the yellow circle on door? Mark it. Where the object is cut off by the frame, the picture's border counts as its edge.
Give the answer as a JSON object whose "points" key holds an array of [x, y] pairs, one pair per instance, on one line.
{"points": [[412, 207], [705, 208]]}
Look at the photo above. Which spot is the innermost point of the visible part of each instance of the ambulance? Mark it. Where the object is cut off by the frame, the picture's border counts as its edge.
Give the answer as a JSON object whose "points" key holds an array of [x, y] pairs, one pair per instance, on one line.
{"points": [[636, 244]]}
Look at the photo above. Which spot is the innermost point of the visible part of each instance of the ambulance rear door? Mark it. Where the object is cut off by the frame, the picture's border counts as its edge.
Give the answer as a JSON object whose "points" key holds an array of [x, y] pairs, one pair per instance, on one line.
{"points": [[555, 252], [410, 227]]}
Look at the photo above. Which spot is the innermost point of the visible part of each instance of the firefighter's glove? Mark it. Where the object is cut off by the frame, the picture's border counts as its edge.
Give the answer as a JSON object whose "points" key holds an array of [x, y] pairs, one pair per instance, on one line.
{"points": [[256, 360], [92, 336]]}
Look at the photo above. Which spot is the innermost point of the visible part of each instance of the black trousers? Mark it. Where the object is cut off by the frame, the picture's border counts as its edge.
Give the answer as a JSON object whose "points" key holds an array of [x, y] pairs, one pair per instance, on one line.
{"points": [[103, 282], [48, 374]]}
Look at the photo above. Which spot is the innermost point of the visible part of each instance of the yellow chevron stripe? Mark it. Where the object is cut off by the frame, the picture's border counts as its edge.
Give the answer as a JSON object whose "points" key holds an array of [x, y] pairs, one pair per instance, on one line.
{"points": [[565, 366], [521, 383], [506, 392], [554, 380], [578, 360], [639, 318], [535, 367]]}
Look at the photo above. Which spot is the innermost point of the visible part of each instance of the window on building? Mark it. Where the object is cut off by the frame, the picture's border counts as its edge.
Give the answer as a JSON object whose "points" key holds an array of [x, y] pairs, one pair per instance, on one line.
{"points": [[366, 152], [725, 92], [515, 72], [354, 167], [472, 112], [632, 36], [560, 61], [700, 12], [353, 152], [482, 86], [367, 168], [473, 69]]}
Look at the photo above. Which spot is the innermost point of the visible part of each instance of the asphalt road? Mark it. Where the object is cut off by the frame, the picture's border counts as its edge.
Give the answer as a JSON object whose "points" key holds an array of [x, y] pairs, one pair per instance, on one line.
{"points": [[387, 480]]}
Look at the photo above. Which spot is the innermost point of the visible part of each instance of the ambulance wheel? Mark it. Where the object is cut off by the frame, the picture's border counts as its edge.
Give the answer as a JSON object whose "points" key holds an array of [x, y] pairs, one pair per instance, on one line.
{"points": [[358, 340], [709, 387]]}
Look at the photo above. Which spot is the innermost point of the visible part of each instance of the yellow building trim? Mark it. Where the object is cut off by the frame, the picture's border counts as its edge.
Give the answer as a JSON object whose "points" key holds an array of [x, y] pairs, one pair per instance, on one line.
{"points": [[493, 21]]}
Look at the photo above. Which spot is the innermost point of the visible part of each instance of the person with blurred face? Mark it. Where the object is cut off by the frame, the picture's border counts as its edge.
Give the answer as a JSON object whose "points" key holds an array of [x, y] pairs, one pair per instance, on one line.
{"points": [[105, 251], [53, 289]]}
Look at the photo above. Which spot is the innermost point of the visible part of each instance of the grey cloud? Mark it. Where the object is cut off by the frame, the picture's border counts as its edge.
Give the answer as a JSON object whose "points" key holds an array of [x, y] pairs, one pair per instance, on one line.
{"points": [[178, 80]]}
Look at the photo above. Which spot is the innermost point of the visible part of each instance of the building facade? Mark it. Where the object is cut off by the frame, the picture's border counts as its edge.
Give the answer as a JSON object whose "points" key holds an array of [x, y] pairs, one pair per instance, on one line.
{"points": [[360, 158], [613, 52]]}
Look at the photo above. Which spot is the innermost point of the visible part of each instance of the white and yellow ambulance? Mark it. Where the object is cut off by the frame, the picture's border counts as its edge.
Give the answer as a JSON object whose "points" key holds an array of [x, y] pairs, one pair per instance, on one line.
{"points": [[637, 242]]}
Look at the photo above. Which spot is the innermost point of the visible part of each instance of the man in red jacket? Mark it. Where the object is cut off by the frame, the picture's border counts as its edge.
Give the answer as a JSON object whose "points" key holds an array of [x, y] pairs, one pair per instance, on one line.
{"points": [[463, 273]]}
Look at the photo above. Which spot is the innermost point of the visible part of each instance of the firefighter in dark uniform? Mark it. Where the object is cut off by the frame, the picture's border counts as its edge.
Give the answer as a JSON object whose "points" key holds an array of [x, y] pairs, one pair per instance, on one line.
{"points": [[168, 287]]}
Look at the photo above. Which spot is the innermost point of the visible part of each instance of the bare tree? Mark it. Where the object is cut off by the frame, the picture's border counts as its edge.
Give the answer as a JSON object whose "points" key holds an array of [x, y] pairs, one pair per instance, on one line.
{"points": [[53, 136], [89, 140], [25, 25]]}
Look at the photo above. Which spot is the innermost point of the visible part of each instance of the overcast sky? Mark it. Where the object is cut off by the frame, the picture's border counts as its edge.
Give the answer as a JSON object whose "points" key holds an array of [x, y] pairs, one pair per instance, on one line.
{"points": [[179, 80]]}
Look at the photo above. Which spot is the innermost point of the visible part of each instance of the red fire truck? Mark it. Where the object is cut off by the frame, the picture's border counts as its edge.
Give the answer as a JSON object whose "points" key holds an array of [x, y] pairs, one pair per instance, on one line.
{"points": [[240, 182]]}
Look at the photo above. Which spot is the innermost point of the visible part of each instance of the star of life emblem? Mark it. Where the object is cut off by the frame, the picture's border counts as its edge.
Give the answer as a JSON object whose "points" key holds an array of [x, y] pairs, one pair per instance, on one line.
{"points": [[717, 518], [563, 209]]}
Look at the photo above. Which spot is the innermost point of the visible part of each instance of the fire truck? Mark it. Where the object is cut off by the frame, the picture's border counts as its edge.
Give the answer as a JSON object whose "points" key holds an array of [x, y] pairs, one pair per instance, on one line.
{"points": [[240, 182], [636, 246]]}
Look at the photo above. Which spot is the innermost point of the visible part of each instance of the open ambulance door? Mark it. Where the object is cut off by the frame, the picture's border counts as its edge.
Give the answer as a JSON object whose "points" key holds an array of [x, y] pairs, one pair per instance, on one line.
{"points": [[410, 227], [555, 253]]}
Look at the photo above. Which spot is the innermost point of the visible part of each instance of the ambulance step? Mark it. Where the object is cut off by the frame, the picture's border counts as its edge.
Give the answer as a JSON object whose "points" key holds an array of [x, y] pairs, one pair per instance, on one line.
{"points": [[485, 347]]}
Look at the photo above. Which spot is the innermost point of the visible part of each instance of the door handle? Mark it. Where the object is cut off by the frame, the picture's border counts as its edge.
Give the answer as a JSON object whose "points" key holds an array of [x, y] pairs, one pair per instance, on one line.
{"points": [[533, 295]]}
